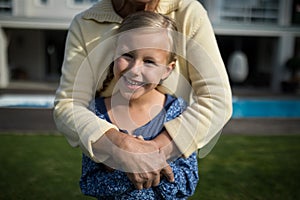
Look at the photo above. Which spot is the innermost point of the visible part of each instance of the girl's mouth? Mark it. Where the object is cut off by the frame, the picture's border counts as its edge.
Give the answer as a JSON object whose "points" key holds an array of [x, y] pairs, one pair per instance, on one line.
{"points": [[133, 84]]}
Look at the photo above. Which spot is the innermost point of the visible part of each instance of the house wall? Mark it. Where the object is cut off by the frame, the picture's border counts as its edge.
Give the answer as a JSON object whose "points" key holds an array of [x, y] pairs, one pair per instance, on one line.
{"points": [[267, 41], [33, 34], [51, 9]]}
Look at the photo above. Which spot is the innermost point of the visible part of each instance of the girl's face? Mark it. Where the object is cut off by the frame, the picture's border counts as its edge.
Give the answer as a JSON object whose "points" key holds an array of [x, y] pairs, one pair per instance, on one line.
{"points": [[142, 61]]}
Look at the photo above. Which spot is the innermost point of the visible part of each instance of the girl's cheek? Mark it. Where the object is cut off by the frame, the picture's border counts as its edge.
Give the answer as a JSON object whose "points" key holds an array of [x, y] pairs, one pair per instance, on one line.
{"points": [[122, 63], [120, 66], [154, 76]]}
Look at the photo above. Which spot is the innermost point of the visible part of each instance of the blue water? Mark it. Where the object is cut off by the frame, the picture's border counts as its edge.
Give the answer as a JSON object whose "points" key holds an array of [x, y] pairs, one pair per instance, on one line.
{"points": [[242, 108], [251, 108], [26, 101]]}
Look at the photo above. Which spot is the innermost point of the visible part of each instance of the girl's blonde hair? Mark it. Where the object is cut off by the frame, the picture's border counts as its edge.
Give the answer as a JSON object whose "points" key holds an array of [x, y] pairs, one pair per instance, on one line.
{"points": [[151, 21]]}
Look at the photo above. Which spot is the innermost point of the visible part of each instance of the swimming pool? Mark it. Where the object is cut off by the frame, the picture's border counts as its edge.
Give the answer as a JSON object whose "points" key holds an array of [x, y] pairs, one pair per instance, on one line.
{"points": [[26, 101], [265, 108], [242, 108]]}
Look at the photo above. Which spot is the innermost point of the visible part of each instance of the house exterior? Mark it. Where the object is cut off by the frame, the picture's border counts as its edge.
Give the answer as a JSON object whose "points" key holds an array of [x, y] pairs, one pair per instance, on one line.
{"points": [[266, 31], [256, 38], [32, 35]]}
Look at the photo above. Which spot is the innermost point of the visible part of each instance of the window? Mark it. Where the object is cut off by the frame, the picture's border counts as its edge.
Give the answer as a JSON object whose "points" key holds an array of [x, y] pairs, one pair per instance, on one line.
{"points": [[41, 3], [78, 2], [296, 12], [266, 11], [44, 2], [5, 6]]}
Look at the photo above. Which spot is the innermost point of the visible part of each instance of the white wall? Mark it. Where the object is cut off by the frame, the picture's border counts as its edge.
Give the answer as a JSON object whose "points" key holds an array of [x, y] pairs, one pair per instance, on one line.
{"points": [[53, 9], [4, 71]]}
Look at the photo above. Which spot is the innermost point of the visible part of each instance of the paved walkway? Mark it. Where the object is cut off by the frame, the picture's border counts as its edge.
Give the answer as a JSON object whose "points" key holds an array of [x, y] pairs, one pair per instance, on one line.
{"points": [[41, 120], [26, 120], [263, 126]]}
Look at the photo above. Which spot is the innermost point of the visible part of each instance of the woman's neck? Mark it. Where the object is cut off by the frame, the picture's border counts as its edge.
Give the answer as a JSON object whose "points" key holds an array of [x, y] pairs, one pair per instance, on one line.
{"points": [[125, 7]]}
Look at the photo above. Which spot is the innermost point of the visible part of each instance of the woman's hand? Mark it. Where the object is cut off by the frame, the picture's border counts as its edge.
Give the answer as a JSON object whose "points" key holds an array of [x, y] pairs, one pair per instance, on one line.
{"points": [[147, 180], [140, 159], [150, 179], [143, 162]]}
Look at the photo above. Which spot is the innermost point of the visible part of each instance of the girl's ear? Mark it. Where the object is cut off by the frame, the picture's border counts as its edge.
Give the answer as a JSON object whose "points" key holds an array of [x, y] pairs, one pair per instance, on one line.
{"points": [[169, 69]]}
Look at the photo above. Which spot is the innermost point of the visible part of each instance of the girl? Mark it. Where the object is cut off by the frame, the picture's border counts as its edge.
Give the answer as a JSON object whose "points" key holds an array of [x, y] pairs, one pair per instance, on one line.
{"points": [[144, 58]]}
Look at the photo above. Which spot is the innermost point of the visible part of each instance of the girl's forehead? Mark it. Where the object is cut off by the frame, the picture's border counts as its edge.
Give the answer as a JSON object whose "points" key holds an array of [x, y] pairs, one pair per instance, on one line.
{"points": [[133, 40]]}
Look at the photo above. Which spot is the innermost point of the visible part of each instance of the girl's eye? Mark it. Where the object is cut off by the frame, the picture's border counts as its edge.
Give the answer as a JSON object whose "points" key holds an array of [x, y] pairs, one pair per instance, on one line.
{"points": [[127, 56], [149, 62]]}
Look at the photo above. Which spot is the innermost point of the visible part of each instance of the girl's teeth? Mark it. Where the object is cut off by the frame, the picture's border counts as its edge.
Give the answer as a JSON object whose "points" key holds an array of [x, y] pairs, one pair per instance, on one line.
{"points": [[133, 82]]}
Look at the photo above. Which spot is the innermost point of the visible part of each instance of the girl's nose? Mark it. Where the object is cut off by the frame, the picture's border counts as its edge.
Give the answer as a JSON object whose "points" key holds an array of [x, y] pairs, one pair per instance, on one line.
{"points": [[136, 67]]}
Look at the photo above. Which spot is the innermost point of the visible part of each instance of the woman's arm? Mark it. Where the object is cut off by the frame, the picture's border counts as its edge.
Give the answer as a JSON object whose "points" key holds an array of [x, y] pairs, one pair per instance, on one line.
{"points": [[211, 108], [77, 87]]}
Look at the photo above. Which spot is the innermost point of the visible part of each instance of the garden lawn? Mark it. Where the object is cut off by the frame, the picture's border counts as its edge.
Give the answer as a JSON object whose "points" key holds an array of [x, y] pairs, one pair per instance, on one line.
{"points": [[239, 167]]}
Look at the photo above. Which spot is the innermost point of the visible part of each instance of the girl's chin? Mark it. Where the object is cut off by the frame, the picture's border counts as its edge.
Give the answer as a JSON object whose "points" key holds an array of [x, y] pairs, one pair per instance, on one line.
{"points": [[133, 94], [132, 88], [129, 96]]}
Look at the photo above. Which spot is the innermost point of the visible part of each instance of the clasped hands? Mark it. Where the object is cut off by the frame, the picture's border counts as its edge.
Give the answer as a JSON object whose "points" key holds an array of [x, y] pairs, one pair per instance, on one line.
{"points": [[141, 160]]}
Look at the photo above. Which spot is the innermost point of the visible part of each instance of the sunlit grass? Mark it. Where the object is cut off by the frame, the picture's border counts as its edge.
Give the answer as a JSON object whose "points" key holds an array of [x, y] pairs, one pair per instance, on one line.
{"points": [[239, 167]]}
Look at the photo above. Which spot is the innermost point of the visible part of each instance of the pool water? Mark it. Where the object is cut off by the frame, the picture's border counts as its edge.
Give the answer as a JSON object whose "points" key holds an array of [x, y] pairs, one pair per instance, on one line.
{"points": [[247, 108], [242, 108], [26, 101]]}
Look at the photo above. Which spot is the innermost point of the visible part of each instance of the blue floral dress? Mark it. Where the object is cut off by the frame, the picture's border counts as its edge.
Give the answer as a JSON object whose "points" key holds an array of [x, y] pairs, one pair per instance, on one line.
{"points": [[96, 181]]}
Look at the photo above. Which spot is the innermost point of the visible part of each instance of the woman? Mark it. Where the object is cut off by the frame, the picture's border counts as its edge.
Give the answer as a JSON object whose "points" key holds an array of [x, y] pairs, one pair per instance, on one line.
{"points": [[200, 70]]}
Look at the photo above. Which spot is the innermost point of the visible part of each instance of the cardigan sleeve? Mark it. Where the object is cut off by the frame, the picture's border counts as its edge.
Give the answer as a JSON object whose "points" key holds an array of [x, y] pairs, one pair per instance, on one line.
{"points": [[200, 125], [74, 120]]}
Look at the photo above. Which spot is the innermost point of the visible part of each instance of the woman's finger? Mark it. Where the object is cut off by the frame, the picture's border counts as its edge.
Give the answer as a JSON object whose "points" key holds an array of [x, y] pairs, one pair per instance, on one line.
{"points": [[168, 173], [138, 186], [156, 181], [147, 184]]}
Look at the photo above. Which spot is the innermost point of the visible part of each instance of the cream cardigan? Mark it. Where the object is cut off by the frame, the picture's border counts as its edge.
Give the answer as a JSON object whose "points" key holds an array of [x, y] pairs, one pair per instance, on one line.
{"points": [[89, 50]]}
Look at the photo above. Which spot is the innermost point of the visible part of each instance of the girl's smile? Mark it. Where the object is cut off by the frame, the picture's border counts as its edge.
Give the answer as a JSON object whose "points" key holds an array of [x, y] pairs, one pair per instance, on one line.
{"points": [[132, 84]]}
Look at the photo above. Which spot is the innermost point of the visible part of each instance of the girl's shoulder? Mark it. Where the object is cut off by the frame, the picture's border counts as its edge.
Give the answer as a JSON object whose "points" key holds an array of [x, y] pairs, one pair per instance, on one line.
{"points": [[174, 106], [99, 108]]}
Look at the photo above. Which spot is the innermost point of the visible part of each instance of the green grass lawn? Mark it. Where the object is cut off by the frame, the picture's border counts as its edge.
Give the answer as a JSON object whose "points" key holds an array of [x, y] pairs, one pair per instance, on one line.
{"points": [[239, 167]]}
